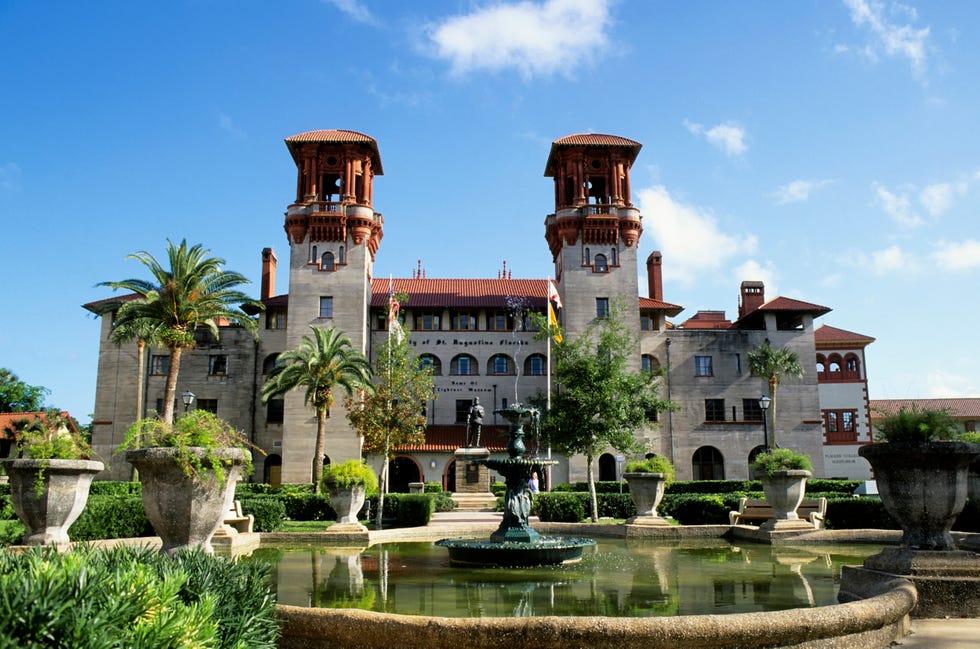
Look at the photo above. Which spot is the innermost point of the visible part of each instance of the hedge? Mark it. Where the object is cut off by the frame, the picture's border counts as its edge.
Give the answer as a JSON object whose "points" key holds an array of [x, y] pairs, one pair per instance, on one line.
{"points": [[115, 488], [111, 517], [269, 512]]}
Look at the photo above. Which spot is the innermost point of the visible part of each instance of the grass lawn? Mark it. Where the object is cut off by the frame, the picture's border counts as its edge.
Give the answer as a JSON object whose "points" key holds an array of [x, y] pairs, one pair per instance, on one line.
{"points": [[305, 527]]}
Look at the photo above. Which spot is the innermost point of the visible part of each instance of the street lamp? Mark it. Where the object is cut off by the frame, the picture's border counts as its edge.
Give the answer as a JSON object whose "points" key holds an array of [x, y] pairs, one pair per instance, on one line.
{"points": [[764, 402], [188, 398]]}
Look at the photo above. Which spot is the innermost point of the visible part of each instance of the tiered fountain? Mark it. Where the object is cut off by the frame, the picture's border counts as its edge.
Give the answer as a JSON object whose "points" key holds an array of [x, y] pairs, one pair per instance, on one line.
{"points": [[515, 543]]}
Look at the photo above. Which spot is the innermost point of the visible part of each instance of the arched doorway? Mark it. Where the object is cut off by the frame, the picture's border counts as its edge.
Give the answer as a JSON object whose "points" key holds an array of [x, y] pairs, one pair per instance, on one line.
{"points": [[272, 470], [449, 478], [607, 468], [707, 463], [401, 471], [753, 474]]}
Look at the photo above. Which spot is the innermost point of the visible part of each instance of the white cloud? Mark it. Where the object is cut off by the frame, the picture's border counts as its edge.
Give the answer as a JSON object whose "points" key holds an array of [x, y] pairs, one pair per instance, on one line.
{"points": [[897, 206], [958, 255], [936, 198], [534, 38], [889, 260], [10, 176], [798, 191], [888, 36], [946, 385], [753, 271], [729, 136], [690, 234], [226, 125], [354, 10]]}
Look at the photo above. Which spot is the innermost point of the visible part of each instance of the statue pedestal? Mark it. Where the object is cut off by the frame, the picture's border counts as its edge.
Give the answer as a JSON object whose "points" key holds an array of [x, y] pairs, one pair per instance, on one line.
{"points": [[473, 481]]}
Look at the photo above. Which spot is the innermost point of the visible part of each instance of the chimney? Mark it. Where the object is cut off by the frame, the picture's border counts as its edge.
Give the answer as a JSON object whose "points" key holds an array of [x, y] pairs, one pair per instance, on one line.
{"points": [[753, 295], [655, 279], [268, 273]]}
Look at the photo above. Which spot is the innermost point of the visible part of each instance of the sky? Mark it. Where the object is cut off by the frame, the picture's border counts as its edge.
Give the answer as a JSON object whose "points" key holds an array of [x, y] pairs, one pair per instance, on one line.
{"points": [[830, 148]]}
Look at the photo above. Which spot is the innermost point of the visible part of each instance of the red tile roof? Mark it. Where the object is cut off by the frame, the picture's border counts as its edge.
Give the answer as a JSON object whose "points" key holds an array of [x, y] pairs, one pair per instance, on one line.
{"points": [[707, 320], [788, 313], [827, 337], [462, 293], [336, 136], [8, 419], [100, 306], [960, 408], [590, 140], [659, 305], [448, 438]]}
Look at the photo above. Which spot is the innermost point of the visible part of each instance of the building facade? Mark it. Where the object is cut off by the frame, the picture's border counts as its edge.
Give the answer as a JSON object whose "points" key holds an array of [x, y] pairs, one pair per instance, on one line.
{"points": [[474, 333]]}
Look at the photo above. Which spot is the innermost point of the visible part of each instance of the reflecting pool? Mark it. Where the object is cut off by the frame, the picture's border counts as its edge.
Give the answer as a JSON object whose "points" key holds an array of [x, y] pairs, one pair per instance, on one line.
{"points": [[616, 578]]}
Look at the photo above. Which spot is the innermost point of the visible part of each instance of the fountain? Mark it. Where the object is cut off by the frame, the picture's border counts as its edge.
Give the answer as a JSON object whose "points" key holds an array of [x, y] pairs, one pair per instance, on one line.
{"points": [[515, 543]]}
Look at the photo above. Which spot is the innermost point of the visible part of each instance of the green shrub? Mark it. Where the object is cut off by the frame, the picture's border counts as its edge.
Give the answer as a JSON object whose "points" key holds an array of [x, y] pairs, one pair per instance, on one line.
{"points": [[562, 507], [246, 489], [615, 505], [349, 473], [498, 489], [111, 517], [781, 459], [915, 425], [849, 513], [11, 533], [415, 510], [307, 506], [269, 512], [713, 486], [655, 464], [823, 485], [607, 487], [115, 488], [699, 509], [444, 502], [7, 512], [133, 597], [433, 488]]}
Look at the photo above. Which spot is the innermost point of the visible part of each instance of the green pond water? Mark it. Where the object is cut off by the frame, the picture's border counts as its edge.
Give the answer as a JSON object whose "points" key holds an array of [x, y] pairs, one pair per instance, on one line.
{"points": [[614, 578]]}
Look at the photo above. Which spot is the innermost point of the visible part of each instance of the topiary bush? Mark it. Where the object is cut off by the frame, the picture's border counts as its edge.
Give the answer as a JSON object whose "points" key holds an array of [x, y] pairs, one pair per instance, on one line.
{"points": [[699, 509], [415, 510], [433, 488], [111, 517], [269, 512], [561, 507]]}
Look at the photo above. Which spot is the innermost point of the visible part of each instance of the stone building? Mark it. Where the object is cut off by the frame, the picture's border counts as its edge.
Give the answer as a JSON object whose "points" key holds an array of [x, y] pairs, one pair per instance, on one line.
{"points": [[473, 332]]}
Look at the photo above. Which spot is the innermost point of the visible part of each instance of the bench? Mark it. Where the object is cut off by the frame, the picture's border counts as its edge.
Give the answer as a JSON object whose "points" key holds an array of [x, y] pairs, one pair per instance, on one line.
{"points": [[236, 520], [750, 509]]}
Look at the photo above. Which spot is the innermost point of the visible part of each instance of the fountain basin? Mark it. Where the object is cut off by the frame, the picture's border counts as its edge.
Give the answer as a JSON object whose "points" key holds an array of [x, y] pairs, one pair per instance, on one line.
{"points": [[545, 551]]}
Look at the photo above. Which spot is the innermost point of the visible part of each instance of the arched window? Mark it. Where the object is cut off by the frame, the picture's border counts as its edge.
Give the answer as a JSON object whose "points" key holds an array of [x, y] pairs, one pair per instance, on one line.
{"points": [[588, 257], [463, 365], [500, 364], [313, 256], [342, 255], [707, 463], [821, 367], [269, 363], [607, 468], [753, 474], [534, 365], [326, 261], [834, 366], [432, 362], [852, 367], [272, 470], [600, 265], [612, 257], [649, 363]]}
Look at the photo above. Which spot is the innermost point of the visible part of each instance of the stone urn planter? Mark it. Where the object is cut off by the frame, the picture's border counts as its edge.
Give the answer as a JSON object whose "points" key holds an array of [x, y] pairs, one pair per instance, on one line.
{"points": [[646, 490], [784, 491], [923, 485], [348, 484], [346, 500], [49, 495], [186, 508]]}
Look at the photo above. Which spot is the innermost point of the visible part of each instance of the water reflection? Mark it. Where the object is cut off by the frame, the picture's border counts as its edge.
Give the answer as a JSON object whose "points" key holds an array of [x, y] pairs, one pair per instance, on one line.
{"points": [[615, 578]]}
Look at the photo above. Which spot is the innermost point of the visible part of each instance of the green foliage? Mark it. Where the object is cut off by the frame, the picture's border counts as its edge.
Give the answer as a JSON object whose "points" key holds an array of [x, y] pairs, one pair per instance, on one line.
{"points": [[433, 488], [111, 517], [699, 509], [498, 489], [415, 510], [134, 597], [115, 488], [561, 507], [269, 512], [970, 437], [349, 473], [608, 487], [444, 502], [196, 429], [307, 506], [772, 364], [616, 505], [851, 513], [915, 425], [11, 532], [49, 435], [655, 464], [713, 486], [781, 459], [18, 396]]}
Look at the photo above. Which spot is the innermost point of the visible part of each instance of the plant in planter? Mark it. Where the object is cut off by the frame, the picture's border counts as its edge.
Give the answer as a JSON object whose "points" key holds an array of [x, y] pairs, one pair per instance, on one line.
{"points": [[783, 473], [973, 480], [188, 471], [922, 474], [348, 484], [49, 481], [647, 480]]}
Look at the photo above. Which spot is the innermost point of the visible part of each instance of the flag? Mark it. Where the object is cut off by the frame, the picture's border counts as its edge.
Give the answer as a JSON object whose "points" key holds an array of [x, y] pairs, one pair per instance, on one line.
{"points": [[553, 321], [394, 327], [553, 294], [554, 302]]}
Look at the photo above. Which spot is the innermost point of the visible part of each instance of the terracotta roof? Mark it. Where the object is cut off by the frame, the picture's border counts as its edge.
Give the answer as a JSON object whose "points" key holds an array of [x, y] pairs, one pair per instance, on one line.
{"points": [[591, 140], [659, 305], [448, 438], [788, 313], [827, 337], [964, 408], [337, 136], [99, 307], [707, 320], [471, 293], [8, 419], [278, 300]]}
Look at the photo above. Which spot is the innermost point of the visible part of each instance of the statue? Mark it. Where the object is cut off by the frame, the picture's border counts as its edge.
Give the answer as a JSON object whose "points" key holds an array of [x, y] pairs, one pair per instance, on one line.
{"points": [[474, 423]]}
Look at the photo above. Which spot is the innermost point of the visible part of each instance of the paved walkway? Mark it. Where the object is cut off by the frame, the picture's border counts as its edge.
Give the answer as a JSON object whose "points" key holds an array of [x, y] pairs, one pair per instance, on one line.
{"points": [[926, 634]]}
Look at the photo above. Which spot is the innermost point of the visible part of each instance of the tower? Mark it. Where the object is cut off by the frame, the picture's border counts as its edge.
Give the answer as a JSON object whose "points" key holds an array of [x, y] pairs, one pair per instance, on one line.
{"points": [[594, 232], [333, 233]]}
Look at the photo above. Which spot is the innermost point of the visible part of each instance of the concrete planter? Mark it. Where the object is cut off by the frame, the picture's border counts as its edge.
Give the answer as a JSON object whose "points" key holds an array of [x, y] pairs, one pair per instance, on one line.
{"points": [[49, 495], [923, 486], [646, 490], [185, 510], [784, 492], [346, 501]]}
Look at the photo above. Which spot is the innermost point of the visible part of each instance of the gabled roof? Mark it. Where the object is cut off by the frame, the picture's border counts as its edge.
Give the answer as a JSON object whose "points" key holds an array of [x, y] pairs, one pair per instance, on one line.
{"points": [[590, 140], [789, 313], [960, 408], [448, 438], [707, 320], [463, 293], [827, 337], [659, 305], [100, 307], [336, 136]]}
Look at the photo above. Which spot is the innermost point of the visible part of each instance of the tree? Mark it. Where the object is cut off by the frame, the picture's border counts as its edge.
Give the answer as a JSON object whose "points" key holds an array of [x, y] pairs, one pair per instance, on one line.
{"points": [[772, 364], [394, 414], [18, 396], [193, 292], [599, 402], [320, 363]]}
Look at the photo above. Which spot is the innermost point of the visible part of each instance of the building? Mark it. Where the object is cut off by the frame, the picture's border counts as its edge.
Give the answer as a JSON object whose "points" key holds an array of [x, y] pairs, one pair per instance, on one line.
{"points": [[966, 411], [473, 332]]}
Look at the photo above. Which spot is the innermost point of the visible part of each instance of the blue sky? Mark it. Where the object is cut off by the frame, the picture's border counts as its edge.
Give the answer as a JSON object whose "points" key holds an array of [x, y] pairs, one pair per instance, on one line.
{"points": [[828, 148]]}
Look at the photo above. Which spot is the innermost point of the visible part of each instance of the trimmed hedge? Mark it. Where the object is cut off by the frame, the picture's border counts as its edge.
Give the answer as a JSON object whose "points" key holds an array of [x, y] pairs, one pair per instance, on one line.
{"points": [[562, 507], [858, 513], [699, 509], [111, 517], [269, 512], [115, 488], [414, 510]]}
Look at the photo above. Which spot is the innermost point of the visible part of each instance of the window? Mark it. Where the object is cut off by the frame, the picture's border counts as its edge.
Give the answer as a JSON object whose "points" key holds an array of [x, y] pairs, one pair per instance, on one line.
{"points": [[274, 411], [499, 321], [588, 257], [714, 410], [500, 364], [269, 363], [649, 363], [217, 365], [313, 256], [751, 410], [970, 426], [275, 318], [852, 369], [648, 322], [840, 425], [159, 365], [463, 365], [463, 410], [702, 366], [208, 405], [463, 321], [708, 464], [326, 307], [600, 265], [326, 261], [427, 321], [342, 255], [602, 307], [432, 362], [737, 358], [534, 365], [612, 256]]}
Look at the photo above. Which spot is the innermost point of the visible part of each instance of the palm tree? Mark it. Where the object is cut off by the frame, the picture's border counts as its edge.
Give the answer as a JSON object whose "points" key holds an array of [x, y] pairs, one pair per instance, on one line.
{"points": [[772, 364], [193, 292], [319, 364]]}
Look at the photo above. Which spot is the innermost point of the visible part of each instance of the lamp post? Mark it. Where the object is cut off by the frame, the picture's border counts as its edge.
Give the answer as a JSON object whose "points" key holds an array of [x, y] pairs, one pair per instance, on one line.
{"points": [[764, 402], [188, 398]]}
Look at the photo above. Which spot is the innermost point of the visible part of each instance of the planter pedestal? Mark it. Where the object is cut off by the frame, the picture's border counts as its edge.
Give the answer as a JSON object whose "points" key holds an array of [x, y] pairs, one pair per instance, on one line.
{"points": [[473, 481], [646, 490], [784, 493], [346, 502]]}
